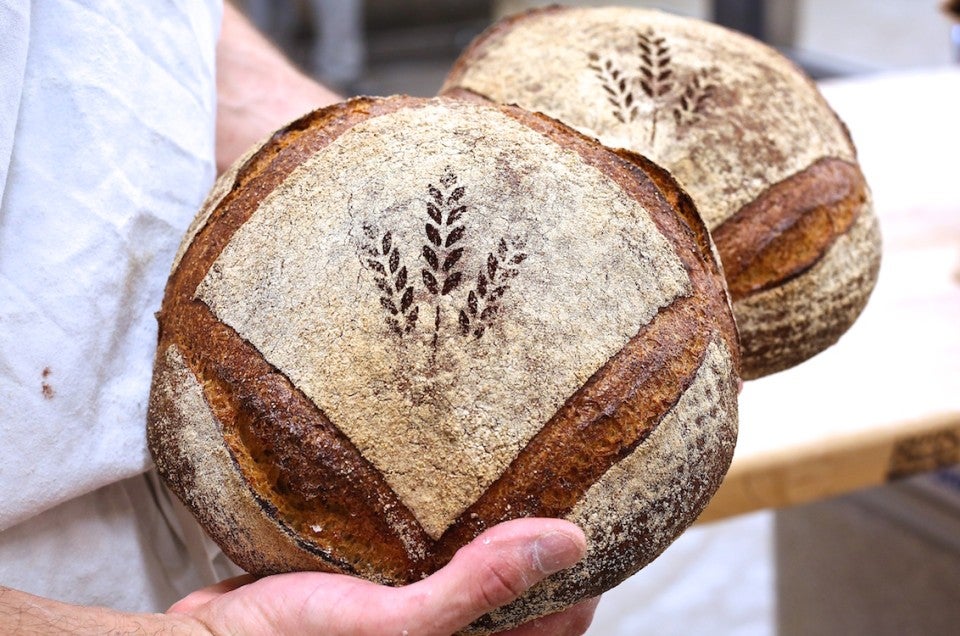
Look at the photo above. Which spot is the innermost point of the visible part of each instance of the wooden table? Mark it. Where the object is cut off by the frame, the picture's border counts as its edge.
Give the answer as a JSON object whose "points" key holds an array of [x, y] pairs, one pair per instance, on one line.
{"points": [[884, 402]]}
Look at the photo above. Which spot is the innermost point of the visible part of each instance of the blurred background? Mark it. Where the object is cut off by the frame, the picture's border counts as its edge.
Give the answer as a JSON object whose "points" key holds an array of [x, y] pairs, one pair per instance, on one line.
{"points": [[382, 47], [882, 561]]}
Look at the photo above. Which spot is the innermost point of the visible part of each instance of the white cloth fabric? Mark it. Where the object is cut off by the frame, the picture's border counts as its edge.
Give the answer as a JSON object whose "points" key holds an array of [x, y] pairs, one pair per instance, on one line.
{"points": [[14, 28], [106, 152], [129, 546], [111, 104]]}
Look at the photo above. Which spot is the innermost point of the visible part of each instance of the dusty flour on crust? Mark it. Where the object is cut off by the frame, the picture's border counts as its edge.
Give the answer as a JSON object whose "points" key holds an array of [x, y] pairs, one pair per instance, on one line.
{"points": [[637, 506], [729, 118], [212, 488], [439, 285]]}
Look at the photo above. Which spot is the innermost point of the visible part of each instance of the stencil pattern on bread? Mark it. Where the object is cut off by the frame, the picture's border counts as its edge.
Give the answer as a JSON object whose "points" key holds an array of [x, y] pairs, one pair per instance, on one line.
{"points": [[441, 270], [577, 253], [649, 68], [716, 80], [493, 281], [383, 259]]}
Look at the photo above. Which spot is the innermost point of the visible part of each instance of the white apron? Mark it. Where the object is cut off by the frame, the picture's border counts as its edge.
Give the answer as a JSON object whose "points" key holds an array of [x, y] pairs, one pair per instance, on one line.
{"points": [[106, 152]]}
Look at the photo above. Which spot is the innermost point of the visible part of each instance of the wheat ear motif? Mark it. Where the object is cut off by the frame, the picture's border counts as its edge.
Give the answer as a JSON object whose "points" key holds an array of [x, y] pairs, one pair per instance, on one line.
{"points": [[396, 296], [493, 280], [441, 269], [441, 250], [656, 81], [617, 87], [700, 88], [655, 72]]}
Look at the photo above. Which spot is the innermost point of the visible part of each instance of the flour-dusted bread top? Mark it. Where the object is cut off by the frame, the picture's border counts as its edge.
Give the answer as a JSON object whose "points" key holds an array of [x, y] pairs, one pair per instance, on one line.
{"points": [[408, 291], [771, 168], [402, 321]]}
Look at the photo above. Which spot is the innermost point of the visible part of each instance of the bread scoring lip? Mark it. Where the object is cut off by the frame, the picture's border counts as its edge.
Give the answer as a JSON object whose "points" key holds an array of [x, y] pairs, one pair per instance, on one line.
{"points": [[790, 226]]}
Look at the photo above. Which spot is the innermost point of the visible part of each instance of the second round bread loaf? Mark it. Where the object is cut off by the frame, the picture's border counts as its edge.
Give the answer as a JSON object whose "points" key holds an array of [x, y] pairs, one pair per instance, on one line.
{"points": [[769, 165]]}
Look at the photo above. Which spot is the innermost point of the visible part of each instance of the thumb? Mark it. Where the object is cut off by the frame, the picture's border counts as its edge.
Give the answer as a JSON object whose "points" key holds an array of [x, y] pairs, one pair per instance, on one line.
{"points": [[491, 571]]}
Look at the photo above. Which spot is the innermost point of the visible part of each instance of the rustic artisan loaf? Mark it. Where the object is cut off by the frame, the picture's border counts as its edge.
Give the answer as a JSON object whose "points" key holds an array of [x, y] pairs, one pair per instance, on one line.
{"points": [[402, 321], [770, 167]]}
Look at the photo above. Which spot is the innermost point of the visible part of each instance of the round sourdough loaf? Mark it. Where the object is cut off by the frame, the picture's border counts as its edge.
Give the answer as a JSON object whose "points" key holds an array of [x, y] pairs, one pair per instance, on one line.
{"points": [[402, 321], [771, 168]]}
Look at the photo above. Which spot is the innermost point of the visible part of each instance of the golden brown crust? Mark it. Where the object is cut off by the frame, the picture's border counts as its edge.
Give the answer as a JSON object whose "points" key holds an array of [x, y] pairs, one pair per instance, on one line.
{"points": [[790, 226], [299, 465], [633, 496], [182, 429], [835, 290], [314, 485]]}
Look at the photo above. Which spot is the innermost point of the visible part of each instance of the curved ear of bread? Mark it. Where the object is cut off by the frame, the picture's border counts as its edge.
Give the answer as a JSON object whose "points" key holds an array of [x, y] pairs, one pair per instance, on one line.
{"points": [[406, 321], [769, 165]]}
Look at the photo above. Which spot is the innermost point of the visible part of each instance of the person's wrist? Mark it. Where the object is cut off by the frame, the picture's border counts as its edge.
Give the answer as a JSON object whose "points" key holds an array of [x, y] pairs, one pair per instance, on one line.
{"points": [[246, 114]]}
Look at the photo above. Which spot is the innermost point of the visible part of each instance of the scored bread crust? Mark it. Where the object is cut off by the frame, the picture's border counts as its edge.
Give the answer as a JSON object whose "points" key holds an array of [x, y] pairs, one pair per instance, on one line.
{"points": [[770, 166], [281, 487]]}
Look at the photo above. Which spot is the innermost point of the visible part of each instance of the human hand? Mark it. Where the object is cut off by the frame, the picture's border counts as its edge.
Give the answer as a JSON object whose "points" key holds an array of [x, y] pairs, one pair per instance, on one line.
{"points": [[491, 571]]}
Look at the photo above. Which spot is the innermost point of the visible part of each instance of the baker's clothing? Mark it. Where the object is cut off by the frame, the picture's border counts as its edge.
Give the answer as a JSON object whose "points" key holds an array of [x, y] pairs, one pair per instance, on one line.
{"points": [[106, 152]]}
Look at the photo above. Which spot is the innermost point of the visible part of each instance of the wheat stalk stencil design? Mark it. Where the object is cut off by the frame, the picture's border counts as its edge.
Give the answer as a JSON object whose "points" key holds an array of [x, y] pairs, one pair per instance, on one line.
{"points": [[493, 280], [617, 87], [655, 72], [654, 79], [441, 271], [690, 106], [396, 296], [441, 251]]}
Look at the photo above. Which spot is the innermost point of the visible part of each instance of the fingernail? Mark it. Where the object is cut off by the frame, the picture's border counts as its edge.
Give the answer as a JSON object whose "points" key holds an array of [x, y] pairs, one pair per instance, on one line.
{"points": [[556, 551]]}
